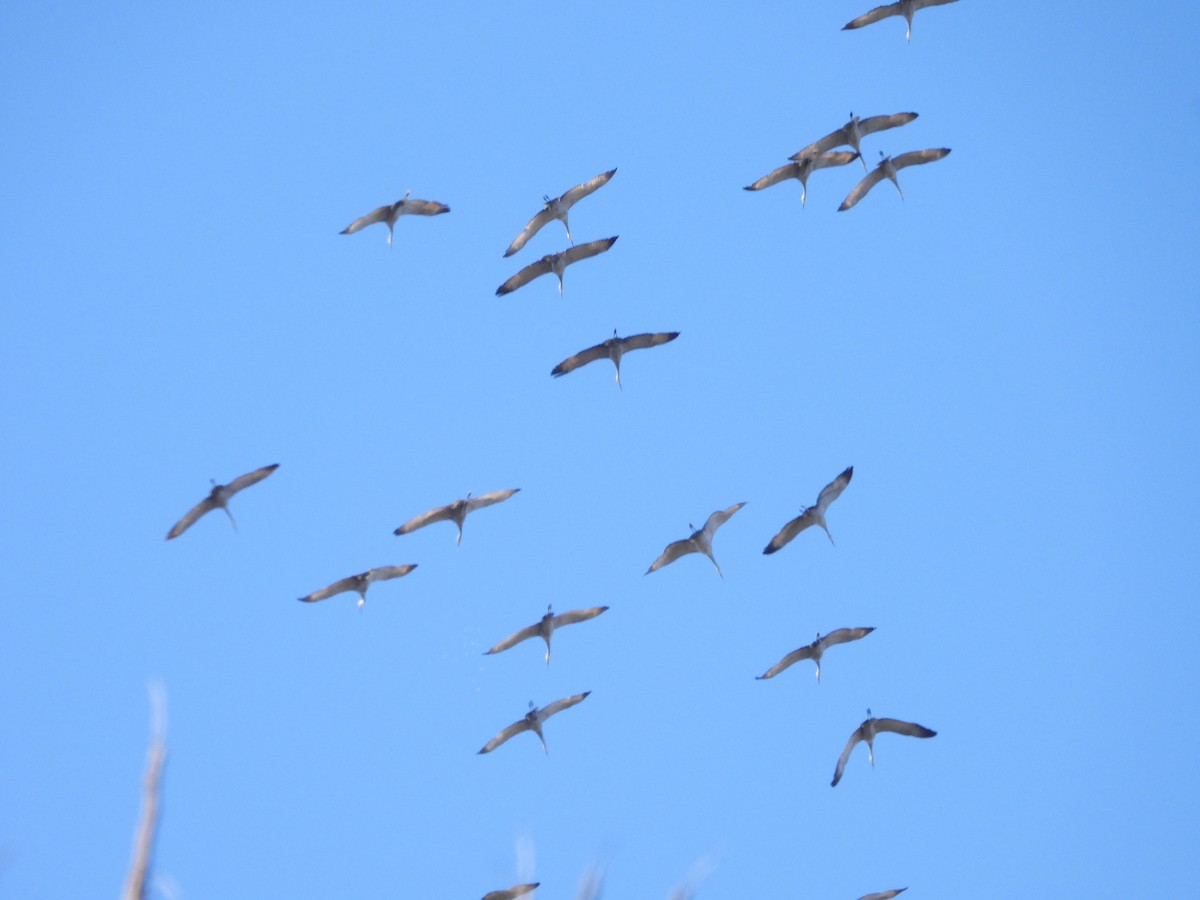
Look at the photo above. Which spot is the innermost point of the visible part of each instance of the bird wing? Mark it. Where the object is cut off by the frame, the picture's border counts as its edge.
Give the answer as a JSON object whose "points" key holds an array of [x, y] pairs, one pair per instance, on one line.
{"points": [[577, 615], [526, 275], [583, 251], [559, 705], [514, 729], [834, 489], [244, 481], [879, 12], [338, 587], [532, 227], [577, 193], [512, 640], [383, 573], [582, 358], [789, 531], [869, 181], [833, 158], [377, 215], [795, 656], [841, 763], [783, 173], [205, 505], [642, 341], [674, 550], [511, 893], [489, 498], [872, 124], [719, 518], [912, 729], [844, 635], [883, 895], [423, 208], [427, 518], [921, 4], [919, 157], [831, 140]]}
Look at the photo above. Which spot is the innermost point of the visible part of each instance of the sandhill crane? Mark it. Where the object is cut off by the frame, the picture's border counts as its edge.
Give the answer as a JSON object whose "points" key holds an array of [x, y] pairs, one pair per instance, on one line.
{"points": [[456, 512], [218, 498], [852, 133], [904, 8], [558, 209], [545, 628], [887, 168], [883, 895], [517, 890], [556, 263], [533, 721], [393, 211], [867, 731], [614, 348], [816, 650], [699, 541], [359, 583], [812, 515], [801, 169]]}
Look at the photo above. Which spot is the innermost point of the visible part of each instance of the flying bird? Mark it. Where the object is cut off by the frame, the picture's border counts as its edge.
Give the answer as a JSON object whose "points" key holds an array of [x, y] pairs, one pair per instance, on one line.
{"points": [[393, 211], [816, 650], [456, 512], [867, 731], [359, 583], [533, 721], [218, 498], [801, 169], [699, 541], [852, 133], [545, 628], [887, 168], [812, 515], [556, 263], [883, 895], [614, 348], [558, 209], [519, 890], [904, 8]]}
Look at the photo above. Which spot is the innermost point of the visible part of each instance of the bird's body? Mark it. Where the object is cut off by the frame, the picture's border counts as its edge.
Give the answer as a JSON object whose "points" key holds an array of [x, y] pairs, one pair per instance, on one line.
{"points": [[851, 135], [218, 498], [867, 731], [884, 895], [613, 348], [456, 512], [556, 263], [888, 168], [801, 169], [812, 515], [533, 721], [359, 583], [545, 627], [906, 8], [558, 209], [393, 211], [517, 890], [816, 649], [700, 541]]}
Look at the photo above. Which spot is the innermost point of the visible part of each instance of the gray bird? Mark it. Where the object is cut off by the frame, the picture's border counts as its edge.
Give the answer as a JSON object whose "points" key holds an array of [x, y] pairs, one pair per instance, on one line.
{"points": [[801, 169], [218, 498], [533, 721], [545, 627], [887, 168], [518, 890], [698, 542], [906, 8], [867, 731], [883, 895], [816, 649], [393, 211], [456, 512], [812, 515], [614, 348], [558, 209], [359, 583], [556, 263], [852, 133]]}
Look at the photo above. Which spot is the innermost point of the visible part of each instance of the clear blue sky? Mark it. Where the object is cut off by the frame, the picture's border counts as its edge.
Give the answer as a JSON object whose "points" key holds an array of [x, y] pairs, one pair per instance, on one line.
{"points": [[1008, 358]]}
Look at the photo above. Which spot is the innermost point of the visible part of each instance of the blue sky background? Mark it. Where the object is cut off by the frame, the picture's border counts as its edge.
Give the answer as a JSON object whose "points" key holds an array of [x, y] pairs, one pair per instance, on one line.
{"points": [[1007, 358]]}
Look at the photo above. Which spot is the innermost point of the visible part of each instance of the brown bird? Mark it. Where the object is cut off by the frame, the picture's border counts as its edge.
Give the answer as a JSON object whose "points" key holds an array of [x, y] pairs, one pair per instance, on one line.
{"points": [[801, 169], [699, 541], [883, 895], [558, 209], [393, 211], [867, 731], [359, 583], [456, 512], [905, 8], [218, 498], [614, 348], [887, 168], [556, 263], [519, 890], [533, 721], [812, 515], [816, 649], [545, 628], [852, 133]]}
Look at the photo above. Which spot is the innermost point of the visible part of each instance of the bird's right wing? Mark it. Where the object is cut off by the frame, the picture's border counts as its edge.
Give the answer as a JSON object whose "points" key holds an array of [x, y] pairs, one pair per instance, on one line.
{"points": [[674, 550], [244, 481], [583, 251], [346, 584], [859, 191], [582, 358], [383, 573], [424, 208], [879, 12], [834, 158], [834, 489], [512, 640], [912, 729], [844, 635], [426, 518], [920, 157], [519, 890], [577, 193], [514, 729], [783, 173], [532, 227], [577, 615], [565, 703], [205, 505], [376, 215], [789, 531], [816, 148], [841, 763], [883, 895], [872, 124], [720, 517], [526, 275], [642, 341], [795, 656], [489, 498]]}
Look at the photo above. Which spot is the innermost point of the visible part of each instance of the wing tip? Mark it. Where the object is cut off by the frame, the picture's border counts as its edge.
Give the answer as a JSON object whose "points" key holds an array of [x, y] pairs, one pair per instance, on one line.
{"points": [[769, 549]]}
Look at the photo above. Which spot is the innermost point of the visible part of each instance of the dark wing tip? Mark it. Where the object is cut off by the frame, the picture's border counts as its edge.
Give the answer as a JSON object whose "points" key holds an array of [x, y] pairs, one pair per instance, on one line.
{"points": [[344, 231], [750, 188], [843, 207], [769, 549], [558, 371], [501, 291], [849, 472], [585, 693]]}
